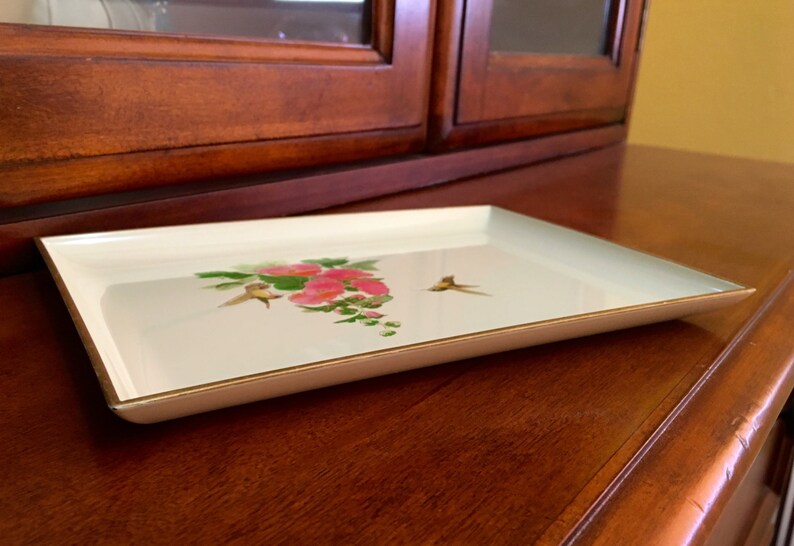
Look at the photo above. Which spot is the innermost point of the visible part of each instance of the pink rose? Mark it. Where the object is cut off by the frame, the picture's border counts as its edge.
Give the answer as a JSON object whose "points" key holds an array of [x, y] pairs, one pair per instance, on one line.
{"points": [[292, 270], [345, 274], [372, 314], [318, 291], [374, 288]]}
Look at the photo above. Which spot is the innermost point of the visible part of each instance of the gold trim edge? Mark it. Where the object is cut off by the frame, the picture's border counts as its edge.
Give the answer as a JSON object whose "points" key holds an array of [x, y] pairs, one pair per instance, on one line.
{"points": [[100, 369]]}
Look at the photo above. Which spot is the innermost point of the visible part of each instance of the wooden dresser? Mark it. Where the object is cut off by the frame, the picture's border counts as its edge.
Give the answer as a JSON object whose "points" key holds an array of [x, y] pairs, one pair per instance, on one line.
{"points": [[633, 437]]}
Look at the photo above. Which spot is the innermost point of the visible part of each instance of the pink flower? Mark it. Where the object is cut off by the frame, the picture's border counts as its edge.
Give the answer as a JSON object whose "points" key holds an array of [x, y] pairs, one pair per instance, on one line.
{"points": [[292, 270], [374, 288], [345, 274], [372, 314], [318, 291]]}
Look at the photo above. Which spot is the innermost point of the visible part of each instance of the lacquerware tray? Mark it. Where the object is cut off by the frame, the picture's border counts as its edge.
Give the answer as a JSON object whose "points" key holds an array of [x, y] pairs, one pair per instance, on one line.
{"points": [[180, 320]]}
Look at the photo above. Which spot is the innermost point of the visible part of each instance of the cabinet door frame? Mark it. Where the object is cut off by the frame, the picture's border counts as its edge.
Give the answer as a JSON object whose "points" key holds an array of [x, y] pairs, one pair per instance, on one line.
{"points": [[483, 96], [81, 96]]}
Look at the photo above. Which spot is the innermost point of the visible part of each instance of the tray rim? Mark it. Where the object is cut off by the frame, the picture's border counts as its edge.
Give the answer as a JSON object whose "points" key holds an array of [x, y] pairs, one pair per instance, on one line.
{"points": [[116, 404]]}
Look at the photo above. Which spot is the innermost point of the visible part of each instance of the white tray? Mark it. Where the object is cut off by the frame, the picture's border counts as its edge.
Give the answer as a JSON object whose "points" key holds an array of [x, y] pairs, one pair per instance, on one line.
{"points": [[164, 345]]}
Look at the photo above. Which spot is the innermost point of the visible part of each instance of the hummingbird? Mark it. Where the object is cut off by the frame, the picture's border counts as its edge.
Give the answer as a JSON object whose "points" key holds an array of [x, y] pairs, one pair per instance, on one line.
{"points": [[448, 283], [254, 290]]}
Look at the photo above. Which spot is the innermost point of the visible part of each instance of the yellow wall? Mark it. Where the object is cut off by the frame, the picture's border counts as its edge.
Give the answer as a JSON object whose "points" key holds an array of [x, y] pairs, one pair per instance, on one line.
{"points": [[717, 76]]}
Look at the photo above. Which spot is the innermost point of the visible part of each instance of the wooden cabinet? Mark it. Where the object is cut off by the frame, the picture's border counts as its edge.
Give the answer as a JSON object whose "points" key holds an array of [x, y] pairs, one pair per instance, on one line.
{"points": [[578, 75], [86, 112], [74, 94]]}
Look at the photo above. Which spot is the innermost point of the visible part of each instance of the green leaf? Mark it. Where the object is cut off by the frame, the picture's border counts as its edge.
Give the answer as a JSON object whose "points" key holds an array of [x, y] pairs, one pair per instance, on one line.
{"points": [[224, 275], [327, 262], [370, 322], [393, 324], [373, 302], [286, 282], [347, 311], [351, 319], [364, 265], [226, 285], [289, 286], [322, 309], [351, 288], [387, 333]]}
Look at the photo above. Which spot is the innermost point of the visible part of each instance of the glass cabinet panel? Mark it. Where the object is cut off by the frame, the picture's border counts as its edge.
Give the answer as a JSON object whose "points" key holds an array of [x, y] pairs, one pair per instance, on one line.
{"points": [[572, 27], [335, 21]]}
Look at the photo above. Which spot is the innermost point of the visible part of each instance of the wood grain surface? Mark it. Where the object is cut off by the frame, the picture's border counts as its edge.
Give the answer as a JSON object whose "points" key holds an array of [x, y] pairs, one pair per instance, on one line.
{"points": [[620, 438]]}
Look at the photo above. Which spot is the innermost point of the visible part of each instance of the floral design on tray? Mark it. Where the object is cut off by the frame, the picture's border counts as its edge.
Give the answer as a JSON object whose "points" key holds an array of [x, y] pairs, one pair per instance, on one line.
{"points": [[326, 285]]}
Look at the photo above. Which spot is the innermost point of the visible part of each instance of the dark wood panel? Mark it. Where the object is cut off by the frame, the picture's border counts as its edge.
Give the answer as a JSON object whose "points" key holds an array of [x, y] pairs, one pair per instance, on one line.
{"points": [[489, 132], [44, 181], [549, 92], [65, 108], [258, 199], [511, 448], [115, 93]]}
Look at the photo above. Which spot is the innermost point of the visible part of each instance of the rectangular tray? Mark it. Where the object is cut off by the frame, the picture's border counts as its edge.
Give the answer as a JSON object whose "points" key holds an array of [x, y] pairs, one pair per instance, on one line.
{"points": [[180, 320]]}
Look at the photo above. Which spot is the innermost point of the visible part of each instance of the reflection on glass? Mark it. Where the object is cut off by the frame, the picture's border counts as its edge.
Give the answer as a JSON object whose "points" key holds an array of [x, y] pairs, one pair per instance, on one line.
{"points": [[336, 21], [572, 27]]}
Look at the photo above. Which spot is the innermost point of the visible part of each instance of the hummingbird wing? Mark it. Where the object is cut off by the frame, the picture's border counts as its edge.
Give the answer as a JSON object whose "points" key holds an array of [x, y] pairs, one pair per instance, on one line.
{"points": [[461, 288], [237, 299]]}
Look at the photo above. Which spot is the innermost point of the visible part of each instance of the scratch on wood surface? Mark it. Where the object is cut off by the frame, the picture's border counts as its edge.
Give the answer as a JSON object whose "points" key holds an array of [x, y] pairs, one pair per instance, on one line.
{"points": [[696, 503]]}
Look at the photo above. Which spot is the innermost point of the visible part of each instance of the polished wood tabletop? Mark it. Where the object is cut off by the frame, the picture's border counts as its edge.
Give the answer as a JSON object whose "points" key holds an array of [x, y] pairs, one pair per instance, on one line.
{"points": [[631, 437]]}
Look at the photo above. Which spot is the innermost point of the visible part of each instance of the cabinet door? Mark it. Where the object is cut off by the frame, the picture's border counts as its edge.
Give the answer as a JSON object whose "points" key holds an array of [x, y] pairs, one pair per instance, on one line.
{"points": [[87, 110], [517, 68]]}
